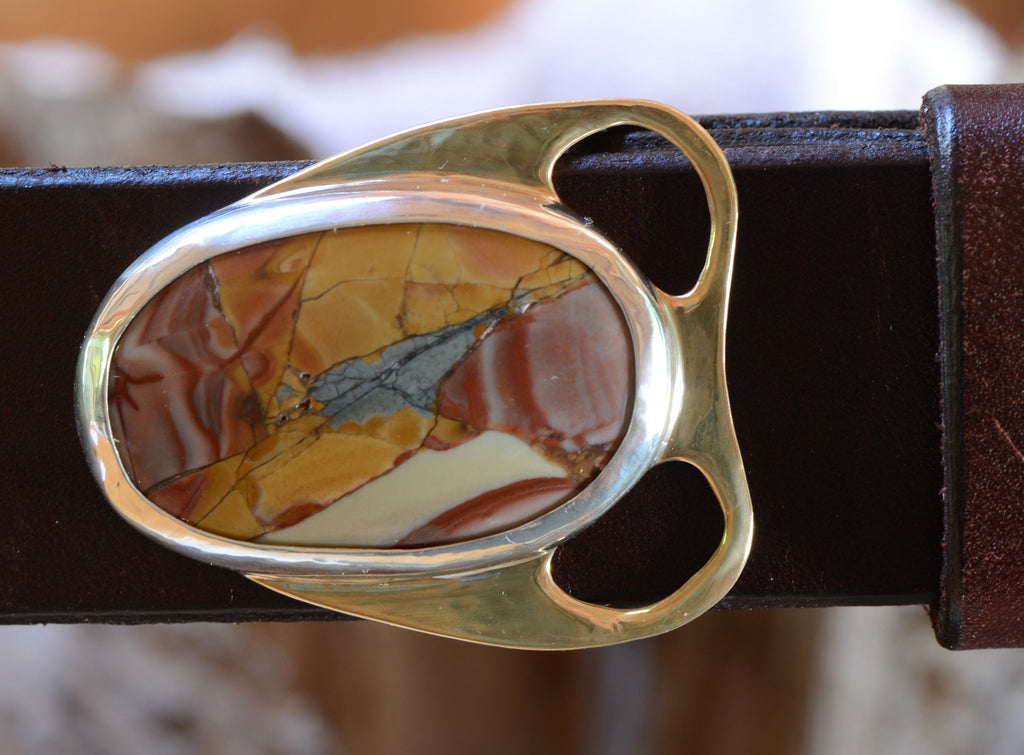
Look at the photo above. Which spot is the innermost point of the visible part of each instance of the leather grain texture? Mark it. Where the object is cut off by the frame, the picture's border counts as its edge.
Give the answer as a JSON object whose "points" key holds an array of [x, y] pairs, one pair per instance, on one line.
{"points": [[976, 142], [831, 360]]}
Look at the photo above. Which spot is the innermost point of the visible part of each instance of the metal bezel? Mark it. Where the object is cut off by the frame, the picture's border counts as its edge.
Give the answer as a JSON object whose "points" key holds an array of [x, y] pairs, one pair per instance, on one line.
{"points": [[408, 199]]}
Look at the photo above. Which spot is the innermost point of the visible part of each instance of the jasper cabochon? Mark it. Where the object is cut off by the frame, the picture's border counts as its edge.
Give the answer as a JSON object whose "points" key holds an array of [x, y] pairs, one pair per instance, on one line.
{"points": [[381, 386]]}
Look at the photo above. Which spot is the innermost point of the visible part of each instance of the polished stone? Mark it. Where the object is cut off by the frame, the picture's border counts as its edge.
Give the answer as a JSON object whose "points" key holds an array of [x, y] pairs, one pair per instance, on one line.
{"points": [[382, 386]]}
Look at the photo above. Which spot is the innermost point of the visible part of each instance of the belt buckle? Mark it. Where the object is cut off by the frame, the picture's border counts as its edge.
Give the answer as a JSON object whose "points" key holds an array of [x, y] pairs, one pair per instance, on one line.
{"points": [[312, 385]]}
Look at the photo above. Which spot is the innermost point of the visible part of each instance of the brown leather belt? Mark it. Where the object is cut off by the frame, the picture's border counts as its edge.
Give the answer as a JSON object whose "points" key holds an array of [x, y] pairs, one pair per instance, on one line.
{"points": [[832, 357]]}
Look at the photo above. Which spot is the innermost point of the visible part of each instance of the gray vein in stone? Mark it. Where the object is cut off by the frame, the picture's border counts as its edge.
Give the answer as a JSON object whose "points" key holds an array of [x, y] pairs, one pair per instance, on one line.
{"points": [[408, 373]]}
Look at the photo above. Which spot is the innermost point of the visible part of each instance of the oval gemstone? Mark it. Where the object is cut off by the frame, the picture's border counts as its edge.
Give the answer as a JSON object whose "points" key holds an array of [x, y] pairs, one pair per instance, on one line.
{"points": [[382, 386]]}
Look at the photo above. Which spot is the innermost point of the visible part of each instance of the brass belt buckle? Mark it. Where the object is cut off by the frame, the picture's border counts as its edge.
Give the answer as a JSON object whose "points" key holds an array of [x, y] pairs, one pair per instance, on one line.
{"points": [[394, 382]]}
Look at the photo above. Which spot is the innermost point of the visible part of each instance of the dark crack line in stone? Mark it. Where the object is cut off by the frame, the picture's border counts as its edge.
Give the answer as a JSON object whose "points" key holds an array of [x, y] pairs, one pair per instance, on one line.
{"points": [[295, 323], [264, 406], [213, 286], [157, 487], [365, 280]]}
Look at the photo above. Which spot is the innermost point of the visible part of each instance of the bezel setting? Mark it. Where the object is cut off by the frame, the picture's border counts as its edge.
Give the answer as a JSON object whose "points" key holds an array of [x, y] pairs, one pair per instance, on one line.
{"points": [[679, 408]]}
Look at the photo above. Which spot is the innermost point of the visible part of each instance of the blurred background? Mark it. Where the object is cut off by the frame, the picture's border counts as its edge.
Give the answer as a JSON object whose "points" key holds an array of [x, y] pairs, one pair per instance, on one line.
{"points": [[117, 83], [114, 82]]}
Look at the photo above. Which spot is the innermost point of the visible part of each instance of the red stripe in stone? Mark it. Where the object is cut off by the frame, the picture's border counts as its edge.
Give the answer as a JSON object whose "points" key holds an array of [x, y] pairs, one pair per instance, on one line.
{"points": [[493, 511]]}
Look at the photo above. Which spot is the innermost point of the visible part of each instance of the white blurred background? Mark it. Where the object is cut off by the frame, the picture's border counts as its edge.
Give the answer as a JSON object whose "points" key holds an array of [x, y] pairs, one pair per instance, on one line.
{"points": [[185, 82], [336, 74]]}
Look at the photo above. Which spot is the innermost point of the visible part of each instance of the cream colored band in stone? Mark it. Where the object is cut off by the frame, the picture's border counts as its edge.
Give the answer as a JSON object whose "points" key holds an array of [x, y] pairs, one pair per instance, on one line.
{"points": [[418, 491]]}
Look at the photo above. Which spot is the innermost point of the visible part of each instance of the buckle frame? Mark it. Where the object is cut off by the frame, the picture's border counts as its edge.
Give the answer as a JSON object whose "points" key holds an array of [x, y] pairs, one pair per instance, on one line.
{"points": [[490, 170]]}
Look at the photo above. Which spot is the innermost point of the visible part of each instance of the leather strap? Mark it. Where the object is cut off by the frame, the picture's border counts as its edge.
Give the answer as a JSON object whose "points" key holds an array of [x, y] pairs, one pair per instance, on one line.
{"points": [[976, 143], [831, 360]]}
